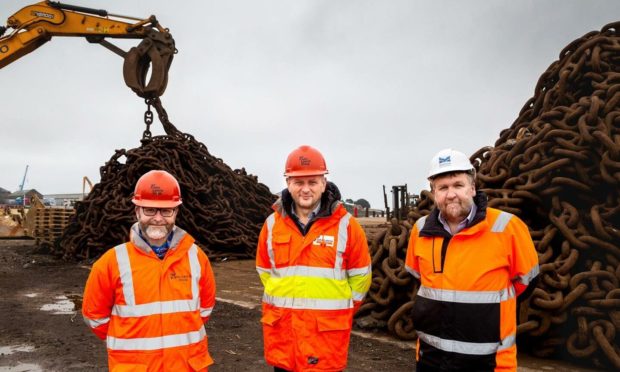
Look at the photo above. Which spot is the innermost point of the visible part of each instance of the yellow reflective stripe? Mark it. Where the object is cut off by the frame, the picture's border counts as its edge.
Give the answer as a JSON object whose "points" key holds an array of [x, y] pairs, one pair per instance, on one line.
{"points": [[527, 278], [469, 348], [270, 222], [308, 287], [124, 268], [156, 343], [309, 271], [501, 222], [308, 303], [360, 283], [467, 297], [264, 277], [413, 272], [206, 311], [94, 323], [153, 308]]}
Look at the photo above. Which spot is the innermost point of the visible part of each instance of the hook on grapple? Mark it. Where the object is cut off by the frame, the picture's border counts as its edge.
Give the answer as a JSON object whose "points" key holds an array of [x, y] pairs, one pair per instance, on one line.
{"points": [[155, 52]]}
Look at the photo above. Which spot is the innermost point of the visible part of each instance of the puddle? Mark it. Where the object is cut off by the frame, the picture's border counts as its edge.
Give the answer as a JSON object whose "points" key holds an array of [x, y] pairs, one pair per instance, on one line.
{"points": [[31, 295], [22, 367], [8, 350], [63, 305]]}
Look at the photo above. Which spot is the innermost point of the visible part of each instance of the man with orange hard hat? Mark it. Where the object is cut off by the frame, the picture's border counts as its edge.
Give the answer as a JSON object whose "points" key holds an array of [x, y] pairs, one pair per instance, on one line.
{"points": [[313, 261], [150, 297], [472, 262]]}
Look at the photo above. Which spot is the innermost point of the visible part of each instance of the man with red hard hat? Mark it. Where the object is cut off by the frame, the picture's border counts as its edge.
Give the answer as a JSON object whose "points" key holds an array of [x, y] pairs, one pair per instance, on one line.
{"points": [[313, 261], [150, 297]]}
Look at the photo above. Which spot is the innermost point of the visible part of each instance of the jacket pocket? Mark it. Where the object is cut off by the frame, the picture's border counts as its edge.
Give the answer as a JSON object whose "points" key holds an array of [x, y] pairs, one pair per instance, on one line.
{"points": [[281, 248], [270, 318], [334, 323], [128, 367], [200, 362], [330, 347]]}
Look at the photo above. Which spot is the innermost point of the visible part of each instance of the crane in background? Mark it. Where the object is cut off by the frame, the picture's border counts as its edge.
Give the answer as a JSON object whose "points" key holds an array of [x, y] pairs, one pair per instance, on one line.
{"points": [[21, 185]]}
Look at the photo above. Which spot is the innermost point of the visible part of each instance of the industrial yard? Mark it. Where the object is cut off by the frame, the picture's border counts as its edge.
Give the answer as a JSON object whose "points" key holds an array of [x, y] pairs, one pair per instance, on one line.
{"points": [[556, 167]]}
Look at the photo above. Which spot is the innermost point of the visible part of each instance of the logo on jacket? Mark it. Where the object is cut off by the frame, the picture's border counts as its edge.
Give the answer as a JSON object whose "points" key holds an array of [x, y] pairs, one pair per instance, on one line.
{"points": [[304, 161], [324, 240], [313, 360], [444, 160], [181, 278]]}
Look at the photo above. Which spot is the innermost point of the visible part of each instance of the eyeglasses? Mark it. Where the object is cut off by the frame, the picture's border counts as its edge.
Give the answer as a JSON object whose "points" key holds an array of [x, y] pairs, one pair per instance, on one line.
{"points": [[165, 212]]}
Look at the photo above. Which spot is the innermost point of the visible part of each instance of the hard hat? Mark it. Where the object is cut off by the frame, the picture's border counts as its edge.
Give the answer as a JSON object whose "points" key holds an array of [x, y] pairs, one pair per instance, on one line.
{"points": [[448, 160], [305, 161], [157, 189]]}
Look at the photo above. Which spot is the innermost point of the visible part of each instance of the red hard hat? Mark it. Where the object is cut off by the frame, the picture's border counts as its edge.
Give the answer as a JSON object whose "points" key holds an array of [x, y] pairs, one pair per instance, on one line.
{"points": [[157, 189], [305, 161]]}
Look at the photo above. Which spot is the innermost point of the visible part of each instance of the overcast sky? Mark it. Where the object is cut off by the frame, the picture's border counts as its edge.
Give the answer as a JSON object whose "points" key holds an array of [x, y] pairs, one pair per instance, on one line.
{"points": [[378, 86]]}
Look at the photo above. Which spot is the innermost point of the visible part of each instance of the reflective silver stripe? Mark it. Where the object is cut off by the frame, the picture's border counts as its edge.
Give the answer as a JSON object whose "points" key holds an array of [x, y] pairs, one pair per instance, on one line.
{"points": [[308, 303], [508, 342], [412, 272], [270, 222], [152, 308], [124, 268], [420, 223], [343, 237], [467, 297], [156, 343], [527, 278], [94, 323], [501, 222], [469, 348], [204, 312], [262, 270], [316, 272], [357, 296], [359, 271], [194, 266]]}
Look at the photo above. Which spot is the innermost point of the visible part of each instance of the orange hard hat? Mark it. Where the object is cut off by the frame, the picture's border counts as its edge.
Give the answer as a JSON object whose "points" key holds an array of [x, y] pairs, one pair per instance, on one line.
{"points": [[305, 161], [157, 189]]}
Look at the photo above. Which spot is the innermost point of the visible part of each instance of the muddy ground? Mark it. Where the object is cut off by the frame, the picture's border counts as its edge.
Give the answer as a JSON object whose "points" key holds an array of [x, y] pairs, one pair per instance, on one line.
{"points": [[40, 329]]}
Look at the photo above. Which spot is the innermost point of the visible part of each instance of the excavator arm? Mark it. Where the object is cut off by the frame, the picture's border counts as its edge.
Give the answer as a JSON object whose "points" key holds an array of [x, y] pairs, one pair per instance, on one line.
{"points": [[36, 24]]}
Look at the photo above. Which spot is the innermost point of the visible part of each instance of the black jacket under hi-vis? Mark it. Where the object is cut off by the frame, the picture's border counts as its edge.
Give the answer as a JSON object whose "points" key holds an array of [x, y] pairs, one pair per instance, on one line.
{"points": [[465, 309]]}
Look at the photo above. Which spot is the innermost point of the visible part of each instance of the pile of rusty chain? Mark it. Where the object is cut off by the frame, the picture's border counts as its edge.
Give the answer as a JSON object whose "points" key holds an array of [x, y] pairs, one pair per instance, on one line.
{"points": [[558, 168], [223, 209]]}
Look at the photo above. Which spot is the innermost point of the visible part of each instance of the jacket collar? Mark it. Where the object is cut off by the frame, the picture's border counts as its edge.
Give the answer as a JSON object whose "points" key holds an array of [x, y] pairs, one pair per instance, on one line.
{"points": [[137, 240]]}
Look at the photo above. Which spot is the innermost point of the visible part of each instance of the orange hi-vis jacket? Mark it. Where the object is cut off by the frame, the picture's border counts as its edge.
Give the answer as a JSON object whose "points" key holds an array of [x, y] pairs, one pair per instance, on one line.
{"points": [[465, 309], [151, 312], [313, 285]]}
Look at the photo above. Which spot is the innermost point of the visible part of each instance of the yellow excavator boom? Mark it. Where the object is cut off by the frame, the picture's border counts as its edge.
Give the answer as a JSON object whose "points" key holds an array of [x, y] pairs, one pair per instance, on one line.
{"points": [[34, 25]]}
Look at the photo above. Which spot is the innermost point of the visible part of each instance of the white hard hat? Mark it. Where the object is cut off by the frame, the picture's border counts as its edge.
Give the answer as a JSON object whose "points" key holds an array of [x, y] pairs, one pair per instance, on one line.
{"points": [[448, 160]]}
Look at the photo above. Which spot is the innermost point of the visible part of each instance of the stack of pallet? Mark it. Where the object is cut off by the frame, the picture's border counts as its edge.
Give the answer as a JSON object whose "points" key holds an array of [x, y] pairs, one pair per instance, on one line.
{"points": [[47, 224]]}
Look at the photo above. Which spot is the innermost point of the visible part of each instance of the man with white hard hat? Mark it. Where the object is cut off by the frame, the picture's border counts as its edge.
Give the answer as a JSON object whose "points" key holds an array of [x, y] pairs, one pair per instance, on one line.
{"points": [[472, 262]]}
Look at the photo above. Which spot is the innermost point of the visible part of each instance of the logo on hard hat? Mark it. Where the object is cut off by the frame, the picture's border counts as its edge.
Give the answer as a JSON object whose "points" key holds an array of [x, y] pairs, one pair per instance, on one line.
{"points": [[156, 189], [444, 160], [304, 161]]}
